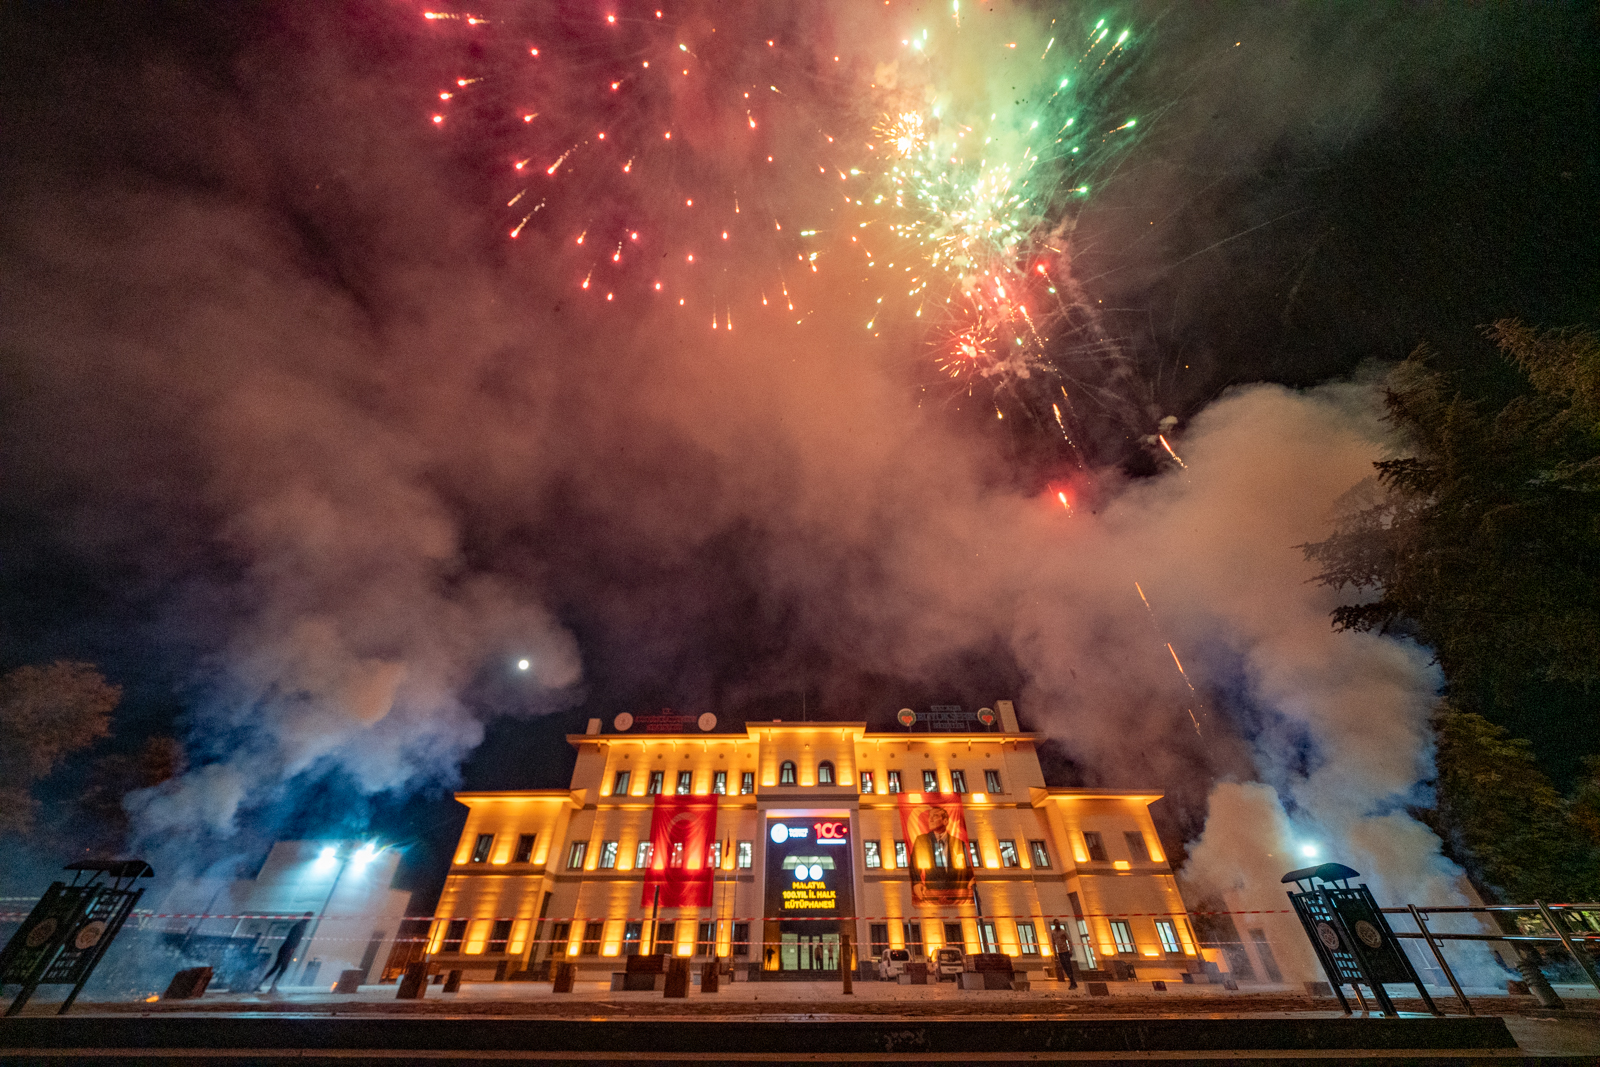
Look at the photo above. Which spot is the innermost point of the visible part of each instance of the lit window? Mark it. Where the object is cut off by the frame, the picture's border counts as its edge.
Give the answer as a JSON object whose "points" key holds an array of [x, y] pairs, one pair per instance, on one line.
{"points": [[619, 788], [1168, 935], [930, 782], [986, 938], [685, 782], [1027, 939], [643, 855], [499, 934], [866, 781], [631, 933], [1137, 849], [824, 773], [958, 781], [972, 855], [900, 855], [580, 849], [747, 783], [1008, 854], [991, 781], [741, 939], [874, 855], [1096, 847], [746, 855], [894, 781], [592, 934], [481, 847], [1041, 854], [714, 860], [675, 857], [524, 853], [657, 783], [786, 773], [1122, 935], [719, 783], [1088, 944], [608, 855]]}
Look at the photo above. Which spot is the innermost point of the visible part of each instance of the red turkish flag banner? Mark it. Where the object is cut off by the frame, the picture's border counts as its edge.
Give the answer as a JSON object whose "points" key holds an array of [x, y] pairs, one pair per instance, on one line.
{"points": [[682, 830], [936, 835]]}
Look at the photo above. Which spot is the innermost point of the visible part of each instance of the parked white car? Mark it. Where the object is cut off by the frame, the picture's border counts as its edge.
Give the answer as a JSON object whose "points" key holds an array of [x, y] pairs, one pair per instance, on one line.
{"points": [[892, 964], [951, 962]]}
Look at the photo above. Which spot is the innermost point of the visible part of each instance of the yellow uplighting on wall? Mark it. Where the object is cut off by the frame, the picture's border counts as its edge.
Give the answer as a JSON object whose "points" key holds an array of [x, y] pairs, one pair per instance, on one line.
{"points": [[1123, 865]]}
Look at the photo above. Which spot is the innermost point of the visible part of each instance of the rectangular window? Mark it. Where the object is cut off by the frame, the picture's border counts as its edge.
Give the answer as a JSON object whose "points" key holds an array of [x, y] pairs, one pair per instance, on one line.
{"points": [[930, 782], [608, 855], [631, 933], [481, 847], [991, 781], [560, 938], [900, 855], [986, 937], [656, 786], [1087, 942], [619, 787], [972, 855], [524, 852], [580, 849], [1027, 939], [454, 932], [1096, 847], [866, 781], [685, 781], [1041, 854], [894, 781], [714, 859], [953, 937], [741, 939], [719, 783], [643, 855], [747, 783], [666, 938], [1169, 936], [1138, 851], [746, 856], [675, 857], [913, 932], [592, 935], [878, 934], [1121, 935], [873, 853], [706, 943], [958, 781], [499, 934], [1008, 854]]}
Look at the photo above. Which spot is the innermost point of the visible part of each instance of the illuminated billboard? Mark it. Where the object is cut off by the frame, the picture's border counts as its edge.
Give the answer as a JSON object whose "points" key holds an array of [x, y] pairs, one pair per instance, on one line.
{"points": [[809, 872]]}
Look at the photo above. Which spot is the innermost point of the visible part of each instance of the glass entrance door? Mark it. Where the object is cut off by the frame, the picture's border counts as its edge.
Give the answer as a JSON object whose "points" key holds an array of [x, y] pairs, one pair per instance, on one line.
{"points": [[809, 952]]}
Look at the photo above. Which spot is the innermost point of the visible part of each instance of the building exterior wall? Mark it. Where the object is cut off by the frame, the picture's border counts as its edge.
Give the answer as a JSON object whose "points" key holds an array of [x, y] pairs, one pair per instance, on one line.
{"points": [[551, 899]]}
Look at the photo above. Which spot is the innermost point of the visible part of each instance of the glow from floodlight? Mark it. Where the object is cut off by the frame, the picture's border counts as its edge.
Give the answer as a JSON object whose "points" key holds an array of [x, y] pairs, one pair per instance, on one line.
{"points": [[365, 855], [1309, 851], [327, 857], [523, 664]]}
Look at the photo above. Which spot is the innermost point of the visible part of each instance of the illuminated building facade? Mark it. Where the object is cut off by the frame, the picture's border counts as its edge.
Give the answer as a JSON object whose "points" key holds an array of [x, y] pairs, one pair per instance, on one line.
{"points": [[760, 848]]}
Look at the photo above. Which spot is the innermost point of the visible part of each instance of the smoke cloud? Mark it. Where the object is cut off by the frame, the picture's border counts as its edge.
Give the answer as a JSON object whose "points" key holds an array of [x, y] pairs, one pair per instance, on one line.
{"points": [[363, 455]]}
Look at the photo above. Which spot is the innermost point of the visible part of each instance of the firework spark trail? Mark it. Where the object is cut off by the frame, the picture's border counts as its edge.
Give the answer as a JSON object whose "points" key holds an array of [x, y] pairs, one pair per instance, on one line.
{"points": [[1150, 612]]}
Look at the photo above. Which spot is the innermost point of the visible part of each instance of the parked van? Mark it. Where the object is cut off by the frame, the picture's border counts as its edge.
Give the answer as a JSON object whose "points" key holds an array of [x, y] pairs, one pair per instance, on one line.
{"points": [[951, 962], [892, 964]]}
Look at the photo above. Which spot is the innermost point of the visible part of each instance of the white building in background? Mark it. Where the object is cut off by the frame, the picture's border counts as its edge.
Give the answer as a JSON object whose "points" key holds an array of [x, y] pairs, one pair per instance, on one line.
{"points": [[344, 884]]}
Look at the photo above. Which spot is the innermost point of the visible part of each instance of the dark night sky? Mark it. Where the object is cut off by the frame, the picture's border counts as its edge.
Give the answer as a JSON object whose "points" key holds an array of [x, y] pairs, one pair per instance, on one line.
{"points": [[1360, 182]]}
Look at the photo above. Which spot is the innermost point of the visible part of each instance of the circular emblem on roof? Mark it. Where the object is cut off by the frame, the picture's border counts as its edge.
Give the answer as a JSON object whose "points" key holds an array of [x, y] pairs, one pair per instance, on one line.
{"points": [[986, 716], [907, 717], [623, 722], [1328, 936], [1369, 934], [42, 933], [780, 833], [89, 935], [707, 721]]}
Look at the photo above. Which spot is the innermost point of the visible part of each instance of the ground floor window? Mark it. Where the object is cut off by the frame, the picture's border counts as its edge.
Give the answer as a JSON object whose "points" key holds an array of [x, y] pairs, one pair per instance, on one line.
{"points": [[499, 934], [878, 934], [559, 938], [741, 939], [631, 934], [986, 938], [1168, 935], [953, 937], [1122, 936], [706, 943], [455, 931], [592, 933], [913, 932], [666, 938], [1027, 939], [1088, 944]]}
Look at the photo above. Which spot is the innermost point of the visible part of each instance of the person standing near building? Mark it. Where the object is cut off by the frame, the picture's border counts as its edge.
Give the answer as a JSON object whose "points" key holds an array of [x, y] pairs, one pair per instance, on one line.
{"points": [[291, 942]]}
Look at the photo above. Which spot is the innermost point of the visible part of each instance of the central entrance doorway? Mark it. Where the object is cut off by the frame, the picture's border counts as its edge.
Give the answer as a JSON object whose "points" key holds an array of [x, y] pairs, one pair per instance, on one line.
{"points": [[807, 950]]}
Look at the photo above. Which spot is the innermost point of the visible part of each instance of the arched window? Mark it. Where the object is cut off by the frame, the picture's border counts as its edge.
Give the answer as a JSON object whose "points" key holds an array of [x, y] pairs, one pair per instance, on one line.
{"points": [[824, 773], [786, 773]]}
